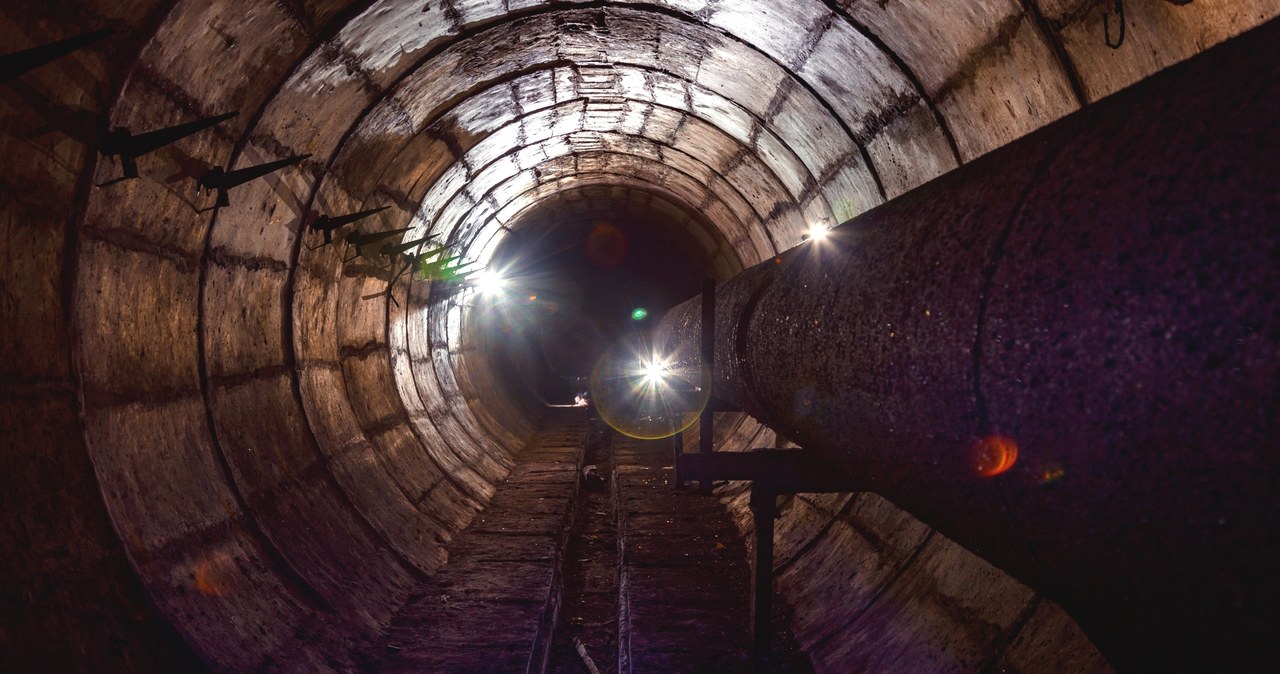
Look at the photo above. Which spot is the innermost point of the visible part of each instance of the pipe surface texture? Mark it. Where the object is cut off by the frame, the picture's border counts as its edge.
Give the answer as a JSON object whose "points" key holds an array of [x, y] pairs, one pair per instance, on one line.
{"points": [[1063, 356]]}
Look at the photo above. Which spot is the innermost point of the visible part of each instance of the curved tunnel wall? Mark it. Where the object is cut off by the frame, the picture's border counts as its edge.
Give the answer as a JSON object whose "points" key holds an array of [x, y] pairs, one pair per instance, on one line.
{"points": [[210, 428]]}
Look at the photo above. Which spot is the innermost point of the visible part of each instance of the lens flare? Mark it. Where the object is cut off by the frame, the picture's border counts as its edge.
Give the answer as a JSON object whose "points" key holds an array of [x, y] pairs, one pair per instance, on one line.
{"points": [[646, 394], [654, 371], [489, 282], [639, 314], [213, 575], [994, 455]]}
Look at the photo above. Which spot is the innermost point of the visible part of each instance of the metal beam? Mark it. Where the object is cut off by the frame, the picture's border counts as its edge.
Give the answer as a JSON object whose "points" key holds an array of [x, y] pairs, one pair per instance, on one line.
{"points": [[782, 471]]}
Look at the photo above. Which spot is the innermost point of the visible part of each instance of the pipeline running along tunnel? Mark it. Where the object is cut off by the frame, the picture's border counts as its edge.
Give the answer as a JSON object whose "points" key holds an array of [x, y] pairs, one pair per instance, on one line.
{"points": [[1041, 338]]}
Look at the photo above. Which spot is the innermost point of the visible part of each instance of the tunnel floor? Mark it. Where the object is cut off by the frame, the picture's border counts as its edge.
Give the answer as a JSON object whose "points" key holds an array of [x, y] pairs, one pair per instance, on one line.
{"points": [[685, 578], [646, 578]]}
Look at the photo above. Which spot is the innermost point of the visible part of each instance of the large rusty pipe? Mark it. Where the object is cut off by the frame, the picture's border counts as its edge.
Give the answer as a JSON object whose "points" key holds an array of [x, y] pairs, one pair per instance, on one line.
{"points": [[1104, 294]]}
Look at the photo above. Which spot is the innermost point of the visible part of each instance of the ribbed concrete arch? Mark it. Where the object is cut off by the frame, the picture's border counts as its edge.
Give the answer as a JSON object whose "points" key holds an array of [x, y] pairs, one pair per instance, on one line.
{"points": [[732, 213], [633, 117], [724, 258], [753, 207], [214, 435]]}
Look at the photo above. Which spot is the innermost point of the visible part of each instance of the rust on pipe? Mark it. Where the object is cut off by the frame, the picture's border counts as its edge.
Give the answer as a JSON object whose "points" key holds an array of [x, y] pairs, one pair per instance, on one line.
{"points": [[1065, 356]]}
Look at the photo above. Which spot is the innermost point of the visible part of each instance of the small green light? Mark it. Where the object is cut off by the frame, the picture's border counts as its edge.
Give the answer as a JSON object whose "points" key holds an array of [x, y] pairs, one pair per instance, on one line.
{"points": [[639, 314]]}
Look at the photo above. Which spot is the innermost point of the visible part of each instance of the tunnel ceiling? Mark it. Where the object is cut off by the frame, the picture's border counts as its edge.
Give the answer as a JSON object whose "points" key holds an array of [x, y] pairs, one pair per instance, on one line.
{"points": [[295, 390]]}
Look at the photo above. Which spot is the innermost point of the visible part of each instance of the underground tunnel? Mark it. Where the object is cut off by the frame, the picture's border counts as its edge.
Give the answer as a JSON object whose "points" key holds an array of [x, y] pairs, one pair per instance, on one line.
{"points": [[293, 389]]}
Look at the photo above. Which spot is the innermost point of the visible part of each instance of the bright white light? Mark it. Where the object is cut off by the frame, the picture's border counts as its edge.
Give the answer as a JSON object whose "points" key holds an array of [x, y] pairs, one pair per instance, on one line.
{"points": [[654, 372], [818, 232], [489, 282]]}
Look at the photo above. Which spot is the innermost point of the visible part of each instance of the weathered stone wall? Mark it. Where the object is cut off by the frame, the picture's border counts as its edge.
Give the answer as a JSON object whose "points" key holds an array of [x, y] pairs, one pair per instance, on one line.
{"points": [[207, 426]]}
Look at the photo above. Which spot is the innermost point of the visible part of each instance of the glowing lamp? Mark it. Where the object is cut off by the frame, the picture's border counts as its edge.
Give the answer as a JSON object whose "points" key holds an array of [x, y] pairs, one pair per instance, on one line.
{"points": [[654, 372], [488, 282]]}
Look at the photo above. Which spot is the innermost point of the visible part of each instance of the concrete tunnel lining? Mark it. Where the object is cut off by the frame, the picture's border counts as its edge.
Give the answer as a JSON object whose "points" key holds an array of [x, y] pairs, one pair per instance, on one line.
{"points": [[232, 385]]}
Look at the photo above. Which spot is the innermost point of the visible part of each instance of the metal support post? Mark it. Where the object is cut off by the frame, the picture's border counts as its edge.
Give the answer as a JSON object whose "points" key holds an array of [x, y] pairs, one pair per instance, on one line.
{"points": [[764, 509], [677, 446], [707, 353]]}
